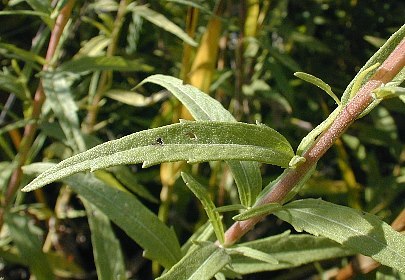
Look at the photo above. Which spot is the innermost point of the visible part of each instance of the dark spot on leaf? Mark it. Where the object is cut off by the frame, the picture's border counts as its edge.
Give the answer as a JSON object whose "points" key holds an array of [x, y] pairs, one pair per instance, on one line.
{"points": [[159, 141], [191, 135]]}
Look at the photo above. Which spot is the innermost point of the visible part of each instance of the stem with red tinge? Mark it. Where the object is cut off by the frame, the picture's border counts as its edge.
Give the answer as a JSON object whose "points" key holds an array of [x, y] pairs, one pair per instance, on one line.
{"points": [[384, 74]]}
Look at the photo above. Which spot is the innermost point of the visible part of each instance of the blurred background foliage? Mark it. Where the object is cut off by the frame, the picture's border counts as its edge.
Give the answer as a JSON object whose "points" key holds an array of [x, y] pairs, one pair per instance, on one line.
{"points": [[244, 54]]}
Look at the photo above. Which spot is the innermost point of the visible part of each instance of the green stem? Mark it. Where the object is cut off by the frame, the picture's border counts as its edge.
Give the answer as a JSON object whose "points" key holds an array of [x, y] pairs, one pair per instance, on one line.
{"points": [[106, 76], [385, 73], [39, 98]]}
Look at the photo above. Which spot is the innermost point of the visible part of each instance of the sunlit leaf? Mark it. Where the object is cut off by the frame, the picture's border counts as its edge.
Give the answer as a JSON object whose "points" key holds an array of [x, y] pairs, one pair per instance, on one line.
{"points": [[189, 141], [15, 52], [202, 194], [200, 264], [134, 98], [205, 108], [362, 232], [162, 22], [317, 82], [58, 90]]}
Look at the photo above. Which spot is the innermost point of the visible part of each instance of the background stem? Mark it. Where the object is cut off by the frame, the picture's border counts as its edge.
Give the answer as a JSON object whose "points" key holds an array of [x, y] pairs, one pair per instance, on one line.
{"points": [[39, 98]]}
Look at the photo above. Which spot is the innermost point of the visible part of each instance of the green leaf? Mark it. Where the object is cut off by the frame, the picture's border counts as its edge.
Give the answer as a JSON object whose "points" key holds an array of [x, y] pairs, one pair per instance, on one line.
{"points": [[255, 211], [209, 206], [107, 252], [58, 90], [129, 180], [117, 63], [15, 52], [253, 254], [362, 232], [28, 239], [190, 141], [248, 179], [290, 251], [162, 22], [133, 98], [388, 92], [159, 242], [229, 208], [200, 105], [378, 57], [143, 226], [192, 4], [319, 83], [202, 234], [205, 108], [12, 84], [200, 264]]}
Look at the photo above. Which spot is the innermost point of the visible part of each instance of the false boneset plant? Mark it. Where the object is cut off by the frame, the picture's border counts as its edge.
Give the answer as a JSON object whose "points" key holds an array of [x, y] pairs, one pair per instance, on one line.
{"points": [[215, 135]]}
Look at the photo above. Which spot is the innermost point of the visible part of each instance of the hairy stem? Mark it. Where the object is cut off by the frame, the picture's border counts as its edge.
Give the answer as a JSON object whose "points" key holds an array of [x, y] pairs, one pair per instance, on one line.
{"points": [[39, 98], [385, 73]]}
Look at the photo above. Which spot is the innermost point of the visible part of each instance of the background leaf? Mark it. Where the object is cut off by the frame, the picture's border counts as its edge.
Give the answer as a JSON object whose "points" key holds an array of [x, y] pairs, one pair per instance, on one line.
{"points": [[158, 241], [209, 206], [96, 63], [289, 250], [200, 264], [161, 21], [27, 238], [106, 247]]}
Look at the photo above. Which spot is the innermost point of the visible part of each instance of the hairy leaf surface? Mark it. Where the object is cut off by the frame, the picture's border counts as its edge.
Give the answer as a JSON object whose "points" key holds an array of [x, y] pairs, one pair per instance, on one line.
{"points": [[205, 108], [189, 141], [200, 264], [362, 232], [289, 250]]}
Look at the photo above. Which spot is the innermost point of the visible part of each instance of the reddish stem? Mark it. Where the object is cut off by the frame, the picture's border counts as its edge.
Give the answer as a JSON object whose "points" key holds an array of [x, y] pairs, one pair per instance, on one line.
{"points": [[39, 98], [385, 73]]}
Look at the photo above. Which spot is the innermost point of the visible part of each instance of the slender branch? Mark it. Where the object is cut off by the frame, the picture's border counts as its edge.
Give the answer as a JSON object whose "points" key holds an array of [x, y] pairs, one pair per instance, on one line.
{"points": [[385, 73], [105, 77], [39, 98]]}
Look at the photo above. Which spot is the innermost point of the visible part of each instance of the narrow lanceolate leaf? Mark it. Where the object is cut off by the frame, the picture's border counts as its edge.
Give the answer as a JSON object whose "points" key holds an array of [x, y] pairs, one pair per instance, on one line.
{"points": [[257, 211], [107, 252], [117, 63], [289, 250], [201, 106], [27, 238], [253, 254], [162, 22], [319, 83], [205, 108], [188, 141], [378, 57], [209, 206], [10, 50], [362, 232], [58, 90], [248, 179], [200, 264], [143, 226]]}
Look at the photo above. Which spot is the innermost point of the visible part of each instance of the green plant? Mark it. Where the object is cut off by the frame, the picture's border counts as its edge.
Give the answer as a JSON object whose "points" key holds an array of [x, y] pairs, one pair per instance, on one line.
{"points": [[214, 135]]}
